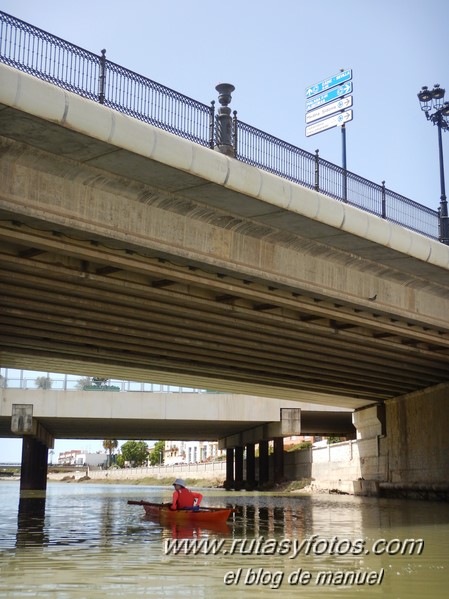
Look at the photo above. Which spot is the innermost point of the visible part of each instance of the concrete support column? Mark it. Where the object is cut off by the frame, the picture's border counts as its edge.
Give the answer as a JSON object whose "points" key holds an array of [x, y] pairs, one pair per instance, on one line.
{"points": [[264, 472], [417, 442], [229, 482], [278, 459], [33, 475], [238, 484], [250, 466], [370, 424]]}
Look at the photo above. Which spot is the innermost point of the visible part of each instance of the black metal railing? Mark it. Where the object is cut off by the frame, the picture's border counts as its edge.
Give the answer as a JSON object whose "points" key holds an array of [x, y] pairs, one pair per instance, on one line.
{"points": [[66, 65], [260, 149], [48, 57], [156, 104]]}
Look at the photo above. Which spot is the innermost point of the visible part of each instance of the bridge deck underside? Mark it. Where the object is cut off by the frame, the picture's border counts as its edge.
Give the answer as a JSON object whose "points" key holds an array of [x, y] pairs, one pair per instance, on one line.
{"points": [[75, 305], [319, 423], [78, 302]]}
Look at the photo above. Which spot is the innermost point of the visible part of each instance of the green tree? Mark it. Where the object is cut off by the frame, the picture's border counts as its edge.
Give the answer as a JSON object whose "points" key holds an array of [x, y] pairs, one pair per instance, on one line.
{"points": [[135, 452], [299, 446], [332, 439], [157, 454], [43, 382], [110, 445], [99, 381], [120, 461], [84, 382]]}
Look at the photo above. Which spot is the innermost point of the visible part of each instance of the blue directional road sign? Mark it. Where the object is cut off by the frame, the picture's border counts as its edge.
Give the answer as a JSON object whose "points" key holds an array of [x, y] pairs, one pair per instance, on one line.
{"points": [[328, 109], [333, 121], [328, 83], [333, 94]]}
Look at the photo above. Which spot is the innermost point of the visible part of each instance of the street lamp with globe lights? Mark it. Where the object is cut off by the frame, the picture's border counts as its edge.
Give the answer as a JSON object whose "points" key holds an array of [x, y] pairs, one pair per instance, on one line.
{"points": [[437, 111]]}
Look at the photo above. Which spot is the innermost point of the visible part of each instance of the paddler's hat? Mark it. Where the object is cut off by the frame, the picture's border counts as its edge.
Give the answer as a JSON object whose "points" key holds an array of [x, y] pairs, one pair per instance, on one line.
{"points": [[179, 482]]}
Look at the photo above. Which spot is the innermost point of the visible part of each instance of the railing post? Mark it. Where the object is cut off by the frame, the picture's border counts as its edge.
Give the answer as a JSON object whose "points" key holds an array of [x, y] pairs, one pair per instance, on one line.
{"points": [[234, 131], [317, 170], [102, 77], [212, 124], [384, 201], [224, 120]]}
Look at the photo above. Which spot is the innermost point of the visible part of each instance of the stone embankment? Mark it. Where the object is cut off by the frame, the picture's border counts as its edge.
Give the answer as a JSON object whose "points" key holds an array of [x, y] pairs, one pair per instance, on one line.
{"points": [[214, 473]]}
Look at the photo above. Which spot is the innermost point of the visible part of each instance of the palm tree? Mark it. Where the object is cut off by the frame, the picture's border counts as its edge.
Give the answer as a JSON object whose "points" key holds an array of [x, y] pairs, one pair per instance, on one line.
{"points": [[109, 445]]}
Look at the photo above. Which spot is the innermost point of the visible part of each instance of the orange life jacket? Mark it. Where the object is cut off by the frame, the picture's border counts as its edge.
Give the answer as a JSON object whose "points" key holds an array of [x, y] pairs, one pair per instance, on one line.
{"points": [[185, 498]]}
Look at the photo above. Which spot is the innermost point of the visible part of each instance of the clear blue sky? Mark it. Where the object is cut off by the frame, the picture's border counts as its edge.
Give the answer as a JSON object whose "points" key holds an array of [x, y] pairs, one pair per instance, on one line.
{"points": [[271, 51]]}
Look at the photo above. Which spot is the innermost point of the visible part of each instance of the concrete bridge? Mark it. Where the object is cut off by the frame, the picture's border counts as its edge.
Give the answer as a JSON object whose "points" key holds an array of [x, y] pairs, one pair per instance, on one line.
{"points": [[187, 416], [40, 416], [127, 251]]}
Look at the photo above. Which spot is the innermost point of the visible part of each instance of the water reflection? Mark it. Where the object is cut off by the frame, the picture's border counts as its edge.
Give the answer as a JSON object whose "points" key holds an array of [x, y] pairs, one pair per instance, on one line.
{"points": [[85, 541], [31, 520], [249, 518], [192, 531], [269, 521]]}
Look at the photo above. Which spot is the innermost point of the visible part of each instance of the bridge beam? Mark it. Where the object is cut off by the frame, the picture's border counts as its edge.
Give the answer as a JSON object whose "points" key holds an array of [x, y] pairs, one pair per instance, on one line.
{"points": [[289, 425], [23, 423]]}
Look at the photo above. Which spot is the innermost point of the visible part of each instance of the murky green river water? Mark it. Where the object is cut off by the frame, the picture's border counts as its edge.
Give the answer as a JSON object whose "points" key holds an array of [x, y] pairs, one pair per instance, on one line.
{"points": [[90, 543]]}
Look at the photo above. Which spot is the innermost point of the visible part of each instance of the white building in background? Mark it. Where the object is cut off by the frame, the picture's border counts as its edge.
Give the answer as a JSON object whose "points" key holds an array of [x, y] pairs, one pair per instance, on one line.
{"points": [[77, 457], [190, 452]]}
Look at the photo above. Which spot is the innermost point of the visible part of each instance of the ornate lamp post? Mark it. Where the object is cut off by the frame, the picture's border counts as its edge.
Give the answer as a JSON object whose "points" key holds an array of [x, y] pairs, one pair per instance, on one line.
{"points": [[437, 111]]}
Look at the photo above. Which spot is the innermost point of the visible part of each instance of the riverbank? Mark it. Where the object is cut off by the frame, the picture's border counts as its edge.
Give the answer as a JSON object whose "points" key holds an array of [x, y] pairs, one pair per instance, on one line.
{"points": [[144, 481], [303, 486], [300, 486]]}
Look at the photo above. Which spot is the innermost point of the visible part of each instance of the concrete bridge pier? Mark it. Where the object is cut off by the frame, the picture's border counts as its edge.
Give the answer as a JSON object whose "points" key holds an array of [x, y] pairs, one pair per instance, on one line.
{"points": [[264, 471], [278, 457], [229, 482], [235, 471], [250, 466], [289, 424], [35, 444], [238, 468], [33, 474], [403, 445]]}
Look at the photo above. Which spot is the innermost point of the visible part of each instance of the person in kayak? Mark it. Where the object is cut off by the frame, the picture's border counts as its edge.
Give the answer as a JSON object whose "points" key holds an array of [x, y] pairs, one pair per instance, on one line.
{"points": [[183, 498]]}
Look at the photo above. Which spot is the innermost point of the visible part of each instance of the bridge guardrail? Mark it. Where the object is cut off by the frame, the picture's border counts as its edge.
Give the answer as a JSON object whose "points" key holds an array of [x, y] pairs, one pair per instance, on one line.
{"points": [[64, 382], [92, 76]]}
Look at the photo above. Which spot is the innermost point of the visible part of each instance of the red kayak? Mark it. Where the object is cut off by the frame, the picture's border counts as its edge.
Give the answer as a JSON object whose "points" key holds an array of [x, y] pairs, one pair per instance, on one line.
{"points": [[202, 514]]}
